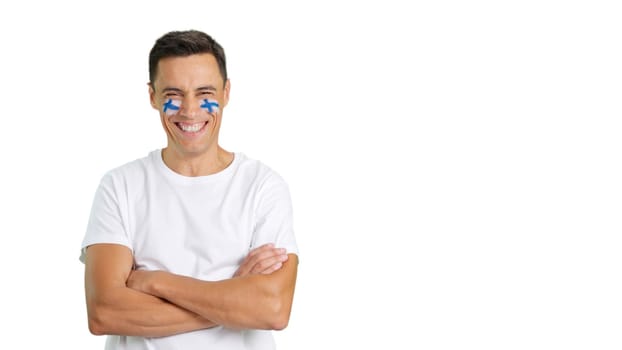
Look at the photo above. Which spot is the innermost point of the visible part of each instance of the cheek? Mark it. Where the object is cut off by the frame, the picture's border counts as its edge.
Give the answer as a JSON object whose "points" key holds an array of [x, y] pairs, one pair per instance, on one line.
{"points": [[166, 122], [210, 105], [171, 107]]}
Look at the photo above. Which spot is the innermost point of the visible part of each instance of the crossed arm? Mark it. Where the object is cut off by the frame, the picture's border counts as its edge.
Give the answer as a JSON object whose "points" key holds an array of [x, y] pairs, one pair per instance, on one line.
{"points": [[123, 301]]}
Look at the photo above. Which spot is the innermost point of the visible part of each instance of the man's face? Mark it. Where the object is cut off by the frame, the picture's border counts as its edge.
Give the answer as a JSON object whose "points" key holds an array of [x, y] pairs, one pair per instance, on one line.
{"points": [[179, 93]]}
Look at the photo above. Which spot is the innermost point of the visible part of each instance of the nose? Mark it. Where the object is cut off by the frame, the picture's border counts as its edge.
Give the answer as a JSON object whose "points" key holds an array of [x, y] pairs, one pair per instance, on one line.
{"points": [[190, 107]]}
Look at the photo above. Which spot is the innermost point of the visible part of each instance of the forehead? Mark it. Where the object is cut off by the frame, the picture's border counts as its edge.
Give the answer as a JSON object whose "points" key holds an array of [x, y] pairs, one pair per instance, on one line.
{"points": [[188, 72]]}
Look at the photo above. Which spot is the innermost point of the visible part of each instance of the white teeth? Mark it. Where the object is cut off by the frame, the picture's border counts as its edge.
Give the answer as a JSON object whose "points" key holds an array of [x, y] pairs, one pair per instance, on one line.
{"points": [[192, 127]]}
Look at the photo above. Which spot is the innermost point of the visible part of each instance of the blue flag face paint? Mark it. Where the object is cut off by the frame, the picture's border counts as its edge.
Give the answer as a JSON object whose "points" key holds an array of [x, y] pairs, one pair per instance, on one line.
{"points": [[211, 106], [171, 107]]}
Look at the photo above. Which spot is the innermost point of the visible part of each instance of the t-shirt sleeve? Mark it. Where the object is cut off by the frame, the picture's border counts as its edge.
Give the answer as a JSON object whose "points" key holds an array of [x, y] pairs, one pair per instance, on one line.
{"points": [[274, 216], [106, 222]]}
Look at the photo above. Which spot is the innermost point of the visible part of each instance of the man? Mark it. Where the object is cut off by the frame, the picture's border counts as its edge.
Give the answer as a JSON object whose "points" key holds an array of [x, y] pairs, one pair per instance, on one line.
{"points": [[191, 247]]}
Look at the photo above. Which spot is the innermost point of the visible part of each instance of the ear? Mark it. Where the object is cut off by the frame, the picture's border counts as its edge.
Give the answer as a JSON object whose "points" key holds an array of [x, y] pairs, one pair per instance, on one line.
{"points": [[152, 98], [226, 93]]}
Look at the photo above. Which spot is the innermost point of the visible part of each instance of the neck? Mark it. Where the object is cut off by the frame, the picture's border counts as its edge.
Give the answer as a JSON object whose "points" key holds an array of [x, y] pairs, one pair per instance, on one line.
{"points": [[209, 162]]}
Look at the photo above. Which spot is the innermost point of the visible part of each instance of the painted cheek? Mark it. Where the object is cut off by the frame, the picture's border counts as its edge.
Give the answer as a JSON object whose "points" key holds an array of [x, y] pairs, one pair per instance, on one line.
{"points": [[171, 107], [211, 106]]}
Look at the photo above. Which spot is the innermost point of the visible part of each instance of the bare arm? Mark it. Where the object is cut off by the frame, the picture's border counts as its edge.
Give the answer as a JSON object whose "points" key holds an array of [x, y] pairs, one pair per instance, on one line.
{"points": [[259, 301], [113, 308]]}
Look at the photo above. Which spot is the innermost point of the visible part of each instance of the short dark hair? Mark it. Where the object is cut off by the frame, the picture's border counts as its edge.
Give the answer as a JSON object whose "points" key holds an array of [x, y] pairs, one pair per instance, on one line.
{"points": [[182, 44]]}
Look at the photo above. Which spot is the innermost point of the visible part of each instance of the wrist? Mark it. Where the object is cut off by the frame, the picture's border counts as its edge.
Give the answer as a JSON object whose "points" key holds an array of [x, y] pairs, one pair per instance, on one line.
{"points": [[154, 287]]}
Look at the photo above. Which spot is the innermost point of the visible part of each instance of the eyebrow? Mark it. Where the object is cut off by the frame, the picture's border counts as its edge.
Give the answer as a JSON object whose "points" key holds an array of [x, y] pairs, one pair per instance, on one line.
{"points": [[200, 88], [171, 89], [206, 87]]}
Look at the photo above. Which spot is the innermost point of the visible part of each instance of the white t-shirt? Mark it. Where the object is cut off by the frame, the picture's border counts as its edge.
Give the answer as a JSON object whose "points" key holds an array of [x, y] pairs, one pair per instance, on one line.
{"points": [[202, 227]]}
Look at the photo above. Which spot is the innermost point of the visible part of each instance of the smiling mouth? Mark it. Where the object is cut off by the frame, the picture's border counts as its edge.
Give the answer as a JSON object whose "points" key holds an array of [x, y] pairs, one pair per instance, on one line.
{"points": [[191, 128]]}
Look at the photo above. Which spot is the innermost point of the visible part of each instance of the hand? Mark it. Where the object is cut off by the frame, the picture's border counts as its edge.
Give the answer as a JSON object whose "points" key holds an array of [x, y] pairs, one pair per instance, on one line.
{"points": [[263, 260], [141, 280]]}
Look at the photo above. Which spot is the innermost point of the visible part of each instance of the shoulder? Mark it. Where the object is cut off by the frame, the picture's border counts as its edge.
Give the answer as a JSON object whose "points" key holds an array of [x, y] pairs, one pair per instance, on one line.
{"points": [[266, 184], [135, 169], [260, 172]]}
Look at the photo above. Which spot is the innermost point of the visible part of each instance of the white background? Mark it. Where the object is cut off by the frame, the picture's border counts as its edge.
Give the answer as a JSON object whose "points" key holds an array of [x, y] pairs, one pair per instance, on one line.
{"points": [[455, 166]]}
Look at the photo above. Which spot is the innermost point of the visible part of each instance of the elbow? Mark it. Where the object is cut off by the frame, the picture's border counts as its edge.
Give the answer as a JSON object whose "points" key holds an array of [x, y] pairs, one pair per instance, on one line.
{"points": [[96, 327], [279, 324], [279, 308], [279, 315], [97, 320]]}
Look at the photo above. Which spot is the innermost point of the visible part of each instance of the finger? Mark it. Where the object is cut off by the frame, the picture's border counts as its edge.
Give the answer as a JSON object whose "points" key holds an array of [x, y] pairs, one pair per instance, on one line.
{"points": [[269, 263], [248, 262], [260, 249], [272, 268], [243, 269], [254, 262], [266, 254], [266, 258]]}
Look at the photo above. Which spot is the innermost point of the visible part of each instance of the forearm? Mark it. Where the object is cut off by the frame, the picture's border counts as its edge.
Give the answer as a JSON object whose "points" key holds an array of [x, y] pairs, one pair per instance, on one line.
{"points": [[114, 308], [254, 301], [124, 311], [235, 303]]}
